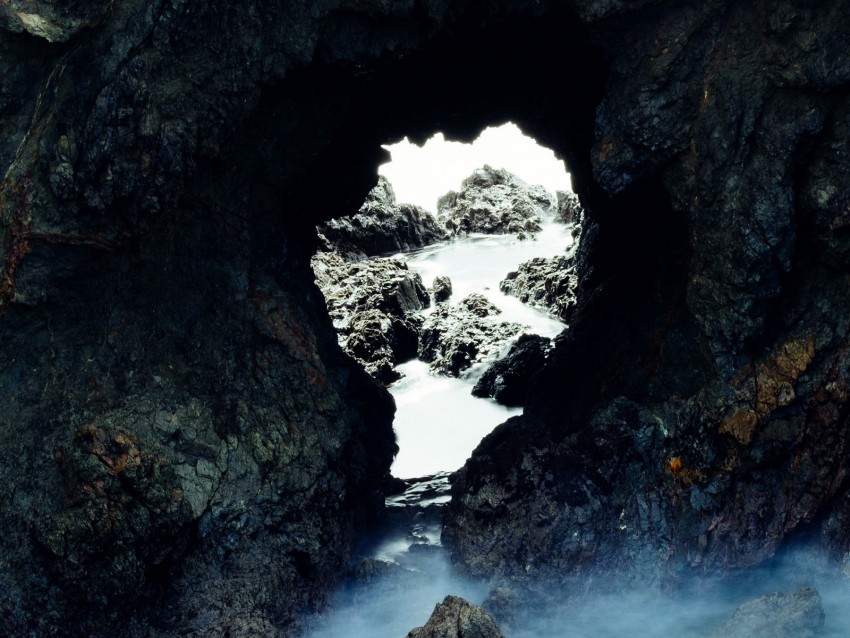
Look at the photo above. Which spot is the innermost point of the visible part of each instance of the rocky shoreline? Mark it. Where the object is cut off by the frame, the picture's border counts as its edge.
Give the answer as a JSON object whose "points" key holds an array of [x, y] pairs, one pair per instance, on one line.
{"points": [[377, 302]]}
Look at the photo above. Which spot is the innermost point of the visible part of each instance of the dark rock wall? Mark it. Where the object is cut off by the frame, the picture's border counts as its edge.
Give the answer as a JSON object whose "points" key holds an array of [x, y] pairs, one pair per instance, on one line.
{"points": [[184, 447], [701, 420]]}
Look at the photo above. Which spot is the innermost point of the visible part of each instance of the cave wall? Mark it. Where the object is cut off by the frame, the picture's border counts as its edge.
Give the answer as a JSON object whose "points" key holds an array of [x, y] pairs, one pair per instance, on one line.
{"points": [[185, 449], [701, 420], [184, 446]]}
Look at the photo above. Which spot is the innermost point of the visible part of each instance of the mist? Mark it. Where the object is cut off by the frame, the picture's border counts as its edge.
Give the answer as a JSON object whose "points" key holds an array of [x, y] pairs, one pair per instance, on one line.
{"points": [[390, 606]]}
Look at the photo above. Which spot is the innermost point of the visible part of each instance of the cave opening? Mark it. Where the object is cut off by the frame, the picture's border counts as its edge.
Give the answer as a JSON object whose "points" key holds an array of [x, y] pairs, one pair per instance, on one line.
{"points": [[450, 283]]}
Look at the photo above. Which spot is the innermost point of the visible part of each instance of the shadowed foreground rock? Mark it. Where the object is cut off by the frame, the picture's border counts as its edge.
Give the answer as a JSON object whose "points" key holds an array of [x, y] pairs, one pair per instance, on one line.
{"points": [[457, 618], [509, 378], [797, 615]]}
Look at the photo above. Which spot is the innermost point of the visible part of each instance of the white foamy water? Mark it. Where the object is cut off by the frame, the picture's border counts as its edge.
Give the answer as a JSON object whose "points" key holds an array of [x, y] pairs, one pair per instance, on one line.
{"points": [[438, 422]]}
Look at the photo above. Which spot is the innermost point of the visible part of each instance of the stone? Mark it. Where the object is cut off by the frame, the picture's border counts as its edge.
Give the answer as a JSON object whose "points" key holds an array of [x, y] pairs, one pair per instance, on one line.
{"points": [[569, 207], [453, 338], [164, 170], [382, 226], [494, 201], [508, 379], [796, 615], [441, 289], [457, 618], [546, 283], [374, 305]]}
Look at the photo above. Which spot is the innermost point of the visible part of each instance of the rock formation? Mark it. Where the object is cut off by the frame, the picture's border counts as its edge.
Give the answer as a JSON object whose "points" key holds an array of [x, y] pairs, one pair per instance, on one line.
{"points": [[374, 304], [509, 379], [796, 615], [381, 226], [185, 449], [494, 201], [453, 338], [701, 385], [458, 618], [546, 283]]}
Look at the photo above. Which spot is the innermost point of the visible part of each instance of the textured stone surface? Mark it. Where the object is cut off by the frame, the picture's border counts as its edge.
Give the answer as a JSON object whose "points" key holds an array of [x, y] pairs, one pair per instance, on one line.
{"points": [[509, 378], [494, 201], [546, 283], [374, 304], [457, 618], [702, 383], [453, 338], [381, 226]]}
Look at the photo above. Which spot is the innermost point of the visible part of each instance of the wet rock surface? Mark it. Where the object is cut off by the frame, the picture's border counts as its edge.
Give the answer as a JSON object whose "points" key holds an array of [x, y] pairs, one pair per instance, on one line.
{"points": [[453, 338], [374, 304], [494, 201], [458, 618], [796, 615], [381, 226], [508, 379], [547, 283]]}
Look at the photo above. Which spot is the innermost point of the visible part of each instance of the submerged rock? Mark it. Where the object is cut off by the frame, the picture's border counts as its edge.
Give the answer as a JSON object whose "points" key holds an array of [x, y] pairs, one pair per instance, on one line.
{"points": [[546, 283], [458, 618], [508, 379], [796, 615], [455, 337], [381, 226], [494, 201]]}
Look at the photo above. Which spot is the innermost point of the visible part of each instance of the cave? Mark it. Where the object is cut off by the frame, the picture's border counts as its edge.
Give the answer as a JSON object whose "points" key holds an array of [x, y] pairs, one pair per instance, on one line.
{"points": [[186, 450]]}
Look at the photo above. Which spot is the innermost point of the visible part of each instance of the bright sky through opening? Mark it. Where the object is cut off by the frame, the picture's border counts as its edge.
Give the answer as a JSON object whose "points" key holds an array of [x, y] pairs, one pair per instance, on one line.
{"points": [[422, 174]]}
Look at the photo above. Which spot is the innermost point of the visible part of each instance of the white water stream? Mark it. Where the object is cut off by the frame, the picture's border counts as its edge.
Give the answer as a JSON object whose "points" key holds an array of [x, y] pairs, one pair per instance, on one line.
{"points": [[438, 422]]}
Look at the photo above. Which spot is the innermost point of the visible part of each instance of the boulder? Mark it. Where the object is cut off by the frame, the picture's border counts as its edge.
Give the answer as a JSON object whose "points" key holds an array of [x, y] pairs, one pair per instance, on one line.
{"points": [[546, 283], [508, 379], [796, 615], [374, 305], [441, 289], [458, 618], [381, 226], [370, 342], [494, 201], [455, 337], [569, 207]]}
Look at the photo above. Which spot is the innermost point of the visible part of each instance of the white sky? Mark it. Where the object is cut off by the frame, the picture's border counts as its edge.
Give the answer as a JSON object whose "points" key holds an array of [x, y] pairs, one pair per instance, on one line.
{"points": [[422, 174]]}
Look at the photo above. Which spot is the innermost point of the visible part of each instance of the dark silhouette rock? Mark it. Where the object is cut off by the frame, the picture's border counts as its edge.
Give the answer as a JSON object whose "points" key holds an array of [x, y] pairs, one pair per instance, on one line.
{"points": [[457, 618], [508, 379], [455, 337], [441, 289], [547, 283], [381, 226], [569, 207], [796, 615], [494, 201]]}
